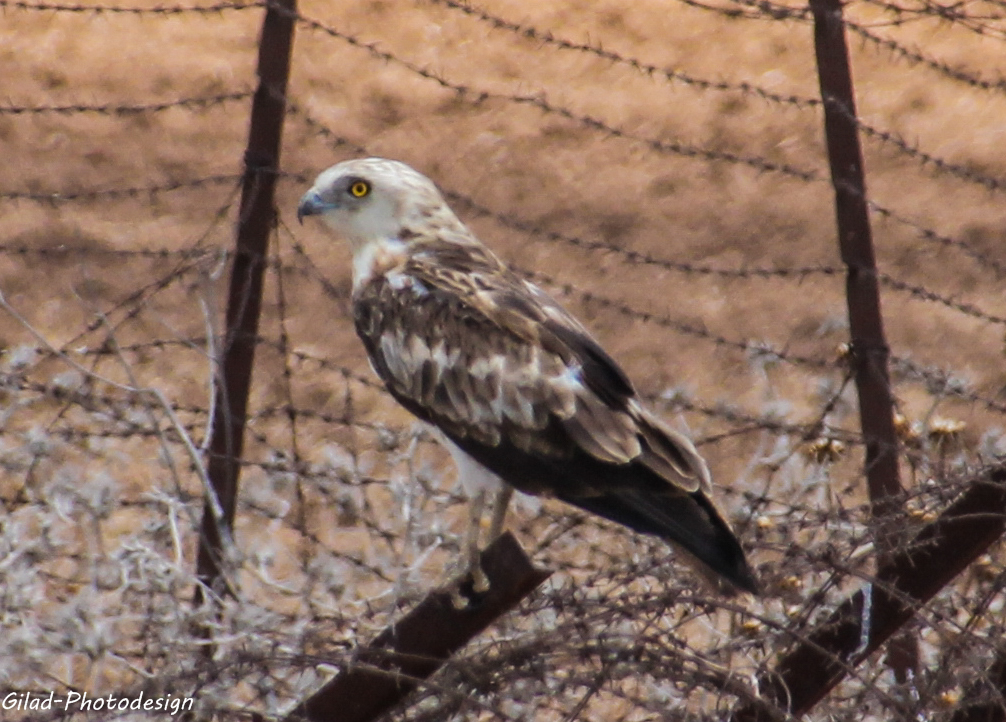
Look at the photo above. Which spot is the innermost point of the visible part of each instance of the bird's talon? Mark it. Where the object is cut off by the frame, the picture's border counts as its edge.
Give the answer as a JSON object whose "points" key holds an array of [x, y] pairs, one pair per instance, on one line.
{"points": [[458, 600], [480, 582]]}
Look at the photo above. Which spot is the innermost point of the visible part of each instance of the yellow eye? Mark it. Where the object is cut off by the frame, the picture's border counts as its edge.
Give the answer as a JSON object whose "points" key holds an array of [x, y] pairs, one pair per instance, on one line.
{"points": [[359, 189]]}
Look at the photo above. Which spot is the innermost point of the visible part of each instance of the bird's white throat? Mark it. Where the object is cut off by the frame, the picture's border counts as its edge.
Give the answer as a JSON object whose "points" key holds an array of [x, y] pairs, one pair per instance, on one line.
{"points": [[376, 257]]}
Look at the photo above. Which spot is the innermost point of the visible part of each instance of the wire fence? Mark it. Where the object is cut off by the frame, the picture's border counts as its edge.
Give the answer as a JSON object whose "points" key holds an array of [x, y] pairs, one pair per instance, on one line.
{"points": [[661, 169]]}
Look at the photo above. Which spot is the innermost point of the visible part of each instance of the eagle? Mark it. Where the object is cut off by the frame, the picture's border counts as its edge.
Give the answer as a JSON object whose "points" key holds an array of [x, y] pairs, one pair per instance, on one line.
{"points": [[519, 391]]}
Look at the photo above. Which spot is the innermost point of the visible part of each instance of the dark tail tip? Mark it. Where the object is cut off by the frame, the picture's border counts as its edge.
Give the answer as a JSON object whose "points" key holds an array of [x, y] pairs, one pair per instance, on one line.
{"points": [[743, 579], [720, 553], [691, 522]]}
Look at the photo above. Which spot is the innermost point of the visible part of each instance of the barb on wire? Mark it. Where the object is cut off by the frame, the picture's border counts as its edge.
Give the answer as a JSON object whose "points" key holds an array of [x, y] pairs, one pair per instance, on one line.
{"points": [[776, 11], [193, 103], [640, 257], [294, 109], [213, 9], [963, 172], [70, 251], [939, 382], [772, 423], [200, 341]]}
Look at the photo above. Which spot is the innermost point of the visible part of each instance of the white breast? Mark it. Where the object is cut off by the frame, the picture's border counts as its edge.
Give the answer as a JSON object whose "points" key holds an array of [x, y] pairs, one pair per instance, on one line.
{"points": [[473, 476]]}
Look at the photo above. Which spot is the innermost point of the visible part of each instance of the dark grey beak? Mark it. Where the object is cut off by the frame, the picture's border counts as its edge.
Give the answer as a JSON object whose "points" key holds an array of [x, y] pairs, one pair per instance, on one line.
{"points": [[311, 205]]}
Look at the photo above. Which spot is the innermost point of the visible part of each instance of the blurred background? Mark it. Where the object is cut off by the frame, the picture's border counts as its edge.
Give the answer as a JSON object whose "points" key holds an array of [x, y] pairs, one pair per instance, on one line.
{"points": [[659, 167]]}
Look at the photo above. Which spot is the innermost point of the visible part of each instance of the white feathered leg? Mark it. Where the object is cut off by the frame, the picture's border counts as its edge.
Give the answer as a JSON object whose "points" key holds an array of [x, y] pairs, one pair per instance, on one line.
{"points": [[478, 482], [470, 551], [500, 505]]}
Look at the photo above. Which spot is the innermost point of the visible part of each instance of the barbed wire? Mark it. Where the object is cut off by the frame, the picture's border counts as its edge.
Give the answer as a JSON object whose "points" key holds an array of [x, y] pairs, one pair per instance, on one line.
{"points": [[548, 38], [293, 108], [917, 58], [477, 96], [886, 137], [640, 257], [166, 344], [643, 258], [926, 233], [753, 349], [929, 378], [745, 88], [213, 9], [90, 398], [193, 103], [797, 273], [940, 382], [133, 192], [515, 223], [65, 251], [982, 259], [632, 256], [117, 407], [754, 10], [963, 172], [924, 294], [954, 13], [645, 316], [762, 422], [629, 255], [612, 626], [765, 10]]}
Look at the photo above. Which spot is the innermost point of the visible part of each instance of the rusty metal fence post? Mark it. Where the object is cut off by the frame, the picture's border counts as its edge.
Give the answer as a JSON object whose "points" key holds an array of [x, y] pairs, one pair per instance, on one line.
{"points": [[908, 575], [255, 223], [854, 631], [869, 351]]}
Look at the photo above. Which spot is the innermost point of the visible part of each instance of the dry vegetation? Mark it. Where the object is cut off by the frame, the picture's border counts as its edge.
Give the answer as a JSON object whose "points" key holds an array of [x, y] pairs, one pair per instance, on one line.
{"points": [[649, 202]]}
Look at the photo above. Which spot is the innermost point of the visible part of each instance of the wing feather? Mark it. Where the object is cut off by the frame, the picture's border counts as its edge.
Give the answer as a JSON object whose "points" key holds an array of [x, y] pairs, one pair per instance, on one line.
{"points": [[491, 356], [671, 455], [606, 434], [520, 386]]}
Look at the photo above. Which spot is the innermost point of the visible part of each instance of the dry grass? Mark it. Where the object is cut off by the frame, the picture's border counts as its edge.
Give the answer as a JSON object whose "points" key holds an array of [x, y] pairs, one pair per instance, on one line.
{"points": [[345, 515]]}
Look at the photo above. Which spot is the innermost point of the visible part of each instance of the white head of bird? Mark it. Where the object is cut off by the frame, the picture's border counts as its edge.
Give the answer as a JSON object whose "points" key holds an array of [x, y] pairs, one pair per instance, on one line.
{"points": [[374, 200]]}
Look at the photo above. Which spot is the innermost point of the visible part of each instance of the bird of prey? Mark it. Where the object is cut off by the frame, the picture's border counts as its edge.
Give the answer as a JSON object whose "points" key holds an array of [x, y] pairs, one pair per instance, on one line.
{"points": [[521, 393]]}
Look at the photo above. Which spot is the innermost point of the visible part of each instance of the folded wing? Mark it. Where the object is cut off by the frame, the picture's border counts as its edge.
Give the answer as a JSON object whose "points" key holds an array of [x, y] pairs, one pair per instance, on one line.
{"points": [[523, 388]]}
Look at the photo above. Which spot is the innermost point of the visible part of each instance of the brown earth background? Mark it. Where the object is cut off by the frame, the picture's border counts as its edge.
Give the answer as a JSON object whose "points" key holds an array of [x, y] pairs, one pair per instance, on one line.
{"points": [[658, 166]]}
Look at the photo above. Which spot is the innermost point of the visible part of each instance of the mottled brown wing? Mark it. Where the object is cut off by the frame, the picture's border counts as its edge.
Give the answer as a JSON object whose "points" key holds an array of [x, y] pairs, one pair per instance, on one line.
{"points": [[488, 357], [523, 388]]}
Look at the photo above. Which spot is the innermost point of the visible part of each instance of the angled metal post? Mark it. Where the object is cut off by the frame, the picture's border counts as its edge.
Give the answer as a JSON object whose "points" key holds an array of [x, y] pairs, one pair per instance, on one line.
{"points": [[919, 570], [390, 667]]}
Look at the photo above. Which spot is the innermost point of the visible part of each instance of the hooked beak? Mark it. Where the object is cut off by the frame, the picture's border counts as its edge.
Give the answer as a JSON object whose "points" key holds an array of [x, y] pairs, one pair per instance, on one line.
{"points": [[311, 204]]}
